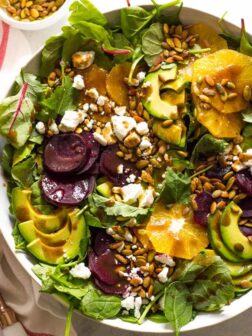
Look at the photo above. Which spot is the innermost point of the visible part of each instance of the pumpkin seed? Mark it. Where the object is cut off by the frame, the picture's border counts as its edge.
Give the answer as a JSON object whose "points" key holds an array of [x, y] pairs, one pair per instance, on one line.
{"points": [[247, 93]]}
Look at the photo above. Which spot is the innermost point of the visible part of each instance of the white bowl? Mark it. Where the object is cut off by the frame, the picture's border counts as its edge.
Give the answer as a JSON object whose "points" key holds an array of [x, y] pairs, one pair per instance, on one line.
{"points": [[38, 24], [238, 306]]}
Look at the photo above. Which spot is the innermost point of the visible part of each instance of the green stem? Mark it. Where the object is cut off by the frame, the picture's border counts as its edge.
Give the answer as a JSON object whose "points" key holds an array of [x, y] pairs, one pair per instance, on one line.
{"points": [[199, 51], [201, 171], [148, 307], [133, 67], [169, 4], [69, 319], [154, 3]]}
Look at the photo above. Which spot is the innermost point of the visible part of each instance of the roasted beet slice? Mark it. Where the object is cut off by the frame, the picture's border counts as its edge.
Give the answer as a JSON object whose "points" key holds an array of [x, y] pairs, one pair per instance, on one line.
{"points": [[103, 267], [246, 206], [109, 164], [218, 172], [244, 181], [101, 242], [65, 153], [119, 289], [204, 201], [93, 150], [62, 190]]}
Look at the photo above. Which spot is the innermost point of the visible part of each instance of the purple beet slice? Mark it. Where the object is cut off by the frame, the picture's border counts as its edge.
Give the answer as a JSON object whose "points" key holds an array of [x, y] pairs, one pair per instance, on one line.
{"points": [[109, 163], [119, 289], [204, 201], [244, 181], [101, 242], [103, 267], [65, 190], [247, 231], [218, 172], [246, 206], [201, 217], [65, 153], [93, 150]]}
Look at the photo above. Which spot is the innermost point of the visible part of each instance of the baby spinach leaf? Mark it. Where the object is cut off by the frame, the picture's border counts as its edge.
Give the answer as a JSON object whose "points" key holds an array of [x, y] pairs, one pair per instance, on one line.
{"points": [[128, 318], [35, 137], [93, 31], [7, 158], [15, 118], [208, 145], [151, 43], [84, 10], [74, 41], [22, 153], [176, 187], [34, 89], [50, 54], [178, 308], [157, 318], [61, 99], [245, 45], [43, 272]]}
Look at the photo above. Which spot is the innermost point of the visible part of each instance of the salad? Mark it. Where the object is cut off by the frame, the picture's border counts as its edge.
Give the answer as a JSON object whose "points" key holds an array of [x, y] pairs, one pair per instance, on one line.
{"points": [[128, 164]]}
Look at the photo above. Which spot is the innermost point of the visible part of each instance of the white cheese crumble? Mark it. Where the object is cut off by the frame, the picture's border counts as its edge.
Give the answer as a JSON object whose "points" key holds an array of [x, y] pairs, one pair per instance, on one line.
{"points": [[120, 169], [131, 192], [40, 127], [120, 110], [163, 275], [80, 271], [146, 84], [147, 198], [54, 128], [92, 93], [128, 303], [128, 236], [83, 59], [122, 126], [138, 304], [85, 107], [78, 82], [108, 134], [141, 76], [100, 138], [142, 128], [90, 124], [101, 100], [145, 143], [93, 107], [71, 120], [110, 231], [176, 225], [165, 259], [131, 178]]}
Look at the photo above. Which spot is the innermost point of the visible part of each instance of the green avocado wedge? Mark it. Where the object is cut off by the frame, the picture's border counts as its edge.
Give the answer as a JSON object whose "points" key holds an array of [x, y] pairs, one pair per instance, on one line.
{"points": [[153, 102], [175, 134], [21, 201], [105, 189], [244, 282], [231, 234], [58, 254], [239, 269], [216, 239]]}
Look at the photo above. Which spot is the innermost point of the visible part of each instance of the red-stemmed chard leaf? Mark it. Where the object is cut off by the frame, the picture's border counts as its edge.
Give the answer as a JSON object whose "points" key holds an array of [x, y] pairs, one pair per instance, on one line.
{"points": [[128, 3], [20, 102], [115, 51]]}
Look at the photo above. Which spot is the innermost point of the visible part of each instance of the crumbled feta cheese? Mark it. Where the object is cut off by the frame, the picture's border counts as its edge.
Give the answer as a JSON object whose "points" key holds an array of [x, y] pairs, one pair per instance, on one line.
{"points": [[147, 198], [101, 100], [108, 134], [122, 126], [83, 59], [165, 259], [80, 271], [142, 128], [40, 127], [131, 192], [78, 82], [120, 110], [93, 107], [134, 271], [54, 128], [92, 93], [146, 84], [163, 275], [128, 236], [90, 124], [85, 107], [145, 143], [141, 76], [110, 231], [128, 303], [71, 120], [119, 249], [131, 178], [176, 225], [120, 169], [100, 138], [138, 304]]}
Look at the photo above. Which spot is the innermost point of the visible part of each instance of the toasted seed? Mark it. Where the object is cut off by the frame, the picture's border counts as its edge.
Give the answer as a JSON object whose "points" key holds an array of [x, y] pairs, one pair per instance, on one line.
{"points": [[150, 256], [216, 193], [120, 269], [204, 98], [169, 60], [220, 185], [136, 281], [208, 92], [244, 221], [146, 282], [208, 186], [150, 291], [167, 123], [239, 197], [121, 259], [184, 34], [247, 93], [224, 194], [232, 194], [142, 164], [142, 293], [220, 88], [120, 154], [230, 183], [194, 205], [224, 97], [136, 289], [115, 246], [117, 237], [232, 95], [245, 284], [178, 58], [230, 85], [34, 13], [170, 42], [151, 269], [126, 252], [209, 80], [178, 29], [221, 205], [183, 154], [166, 28], [118, 198], [206, 106], [213, 207], [228, 175], [224, 81], [139, 252], [177, 42], [140, 262], [185, 211]]}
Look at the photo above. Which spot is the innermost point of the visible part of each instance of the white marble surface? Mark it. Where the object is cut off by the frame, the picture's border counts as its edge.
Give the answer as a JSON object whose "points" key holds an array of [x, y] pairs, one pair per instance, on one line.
{"points": [[241, 325]]}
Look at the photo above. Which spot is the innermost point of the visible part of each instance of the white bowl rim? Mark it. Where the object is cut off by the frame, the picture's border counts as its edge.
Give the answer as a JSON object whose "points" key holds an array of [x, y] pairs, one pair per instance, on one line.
{"points": [[212, 318]]}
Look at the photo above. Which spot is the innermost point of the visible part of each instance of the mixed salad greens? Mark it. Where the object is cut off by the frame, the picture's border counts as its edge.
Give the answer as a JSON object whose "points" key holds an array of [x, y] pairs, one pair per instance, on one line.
{"points": [[129, 165]]}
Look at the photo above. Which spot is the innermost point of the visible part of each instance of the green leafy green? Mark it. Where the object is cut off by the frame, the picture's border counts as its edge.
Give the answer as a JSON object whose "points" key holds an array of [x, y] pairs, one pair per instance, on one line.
{"points": [[94, 32], [22, 172], [128, 318], [245, 45], [19, 109], [7, 158], [35, 88], [35, 137], [74, 42], [44, 272], [176, 187], [233, 40], [61, 100], [22, 153], [18, 238], [208, 145], [38, 200], [178, 308], [157, 318], [247, 115], [151, 43]]}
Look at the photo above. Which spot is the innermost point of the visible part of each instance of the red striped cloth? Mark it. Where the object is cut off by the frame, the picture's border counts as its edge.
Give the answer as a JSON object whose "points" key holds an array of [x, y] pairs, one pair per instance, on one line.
{"points": [[30, 333], [4, 42]]}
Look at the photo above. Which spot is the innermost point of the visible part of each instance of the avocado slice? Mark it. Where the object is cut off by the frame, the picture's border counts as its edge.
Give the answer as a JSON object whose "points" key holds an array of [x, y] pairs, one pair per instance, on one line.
{"points": [[239, 269], [173, 98], [29, 231], [105, 189], [177, 85], [153, 102], [175, 134], [231, 234], [57, 254], [244, 282], [216, 239], [21, 200]]}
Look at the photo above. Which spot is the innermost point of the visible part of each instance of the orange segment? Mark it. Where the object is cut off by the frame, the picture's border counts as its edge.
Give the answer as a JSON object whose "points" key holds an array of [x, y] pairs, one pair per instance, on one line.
{"points": [[176, 234], [208, 38], [225, 64], [95, 77], [116, 87]]}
